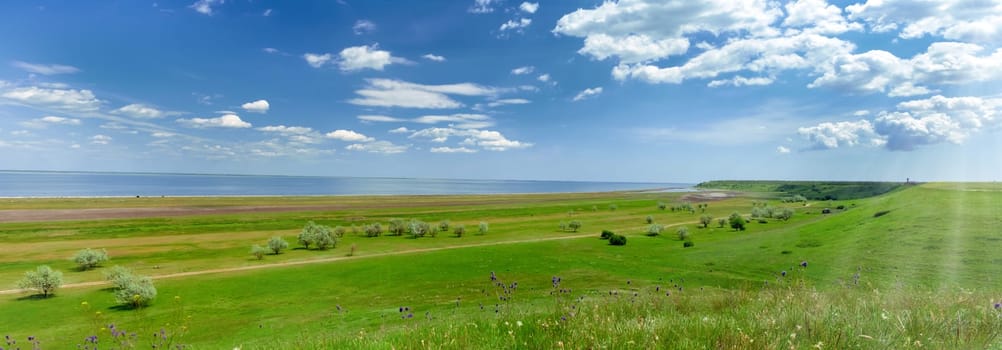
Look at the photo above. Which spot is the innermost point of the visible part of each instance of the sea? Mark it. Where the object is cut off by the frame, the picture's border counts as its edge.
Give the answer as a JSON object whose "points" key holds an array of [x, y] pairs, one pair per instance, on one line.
{"points": [[101, 184]]}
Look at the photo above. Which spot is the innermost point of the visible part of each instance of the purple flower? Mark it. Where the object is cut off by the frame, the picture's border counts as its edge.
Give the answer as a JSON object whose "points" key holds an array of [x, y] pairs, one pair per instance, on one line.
{"points": [[803, 263], [783, 273], [998, 306]]}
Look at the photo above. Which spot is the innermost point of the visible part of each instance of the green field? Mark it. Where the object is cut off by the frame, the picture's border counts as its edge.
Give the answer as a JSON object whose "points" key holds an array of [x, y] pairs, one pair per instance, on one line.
{"points": [[925, 273]]}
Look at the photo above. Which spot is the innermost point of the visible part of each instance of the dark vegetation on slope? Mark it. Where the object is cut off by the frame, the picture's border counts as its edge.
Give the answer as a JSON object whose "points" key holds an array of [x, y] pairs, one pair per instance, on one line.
{"points": [[812, 190]]}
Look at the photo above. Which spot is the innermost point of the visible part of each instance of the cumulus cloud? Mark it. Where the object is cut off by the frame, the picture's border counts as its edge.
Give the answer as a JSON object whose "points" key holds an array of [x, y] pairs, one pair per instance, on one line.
{"points": [[348, 135], [100, 139], [317, 60], [484, 139], [138, 110], [818, 17], [286, 130], [398, 93], [514, 25], [384, 147], [461, 120], [529, 7], [915, 123], [225, 121], [523, 70], [45, 69], [57, 98], [452, 150], [379, 118], [43, 122], [632, 48], [259, 106], [433, 57], [205, 7], [587, 93], [782, 150], [401, 130], [363, 26], [483, 6], [366, 57], [966, 20], [741, 81]]}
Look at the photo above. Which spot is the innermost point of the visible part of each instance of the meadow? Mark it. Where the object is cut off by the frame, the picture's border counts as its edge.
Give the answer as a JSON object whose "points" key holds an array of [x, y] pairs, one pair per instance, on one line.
{"points": [[925, 272]]}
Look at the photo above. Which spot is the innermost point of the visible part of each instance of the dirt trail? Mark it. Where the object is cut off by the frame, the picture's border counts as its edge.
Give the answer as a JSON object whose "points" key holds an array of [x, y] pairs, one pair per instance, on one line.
{"points": [[317, 261]]}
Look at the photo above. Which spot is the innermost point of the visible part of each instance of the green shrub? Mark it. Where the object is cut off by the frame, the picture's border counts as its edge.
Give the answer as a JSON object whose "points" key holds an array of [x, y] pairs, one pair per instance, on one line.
{"points": [[90, 258], [259, 251], [459, 230], [443, 226], [688, 244], [373, 230], [277, 244], [649, 219], [654, 230], [574, 225], [482, 229], [617, 240], [43, 279], [606, 234], [737, 221], [137, 292], [881, 213]]}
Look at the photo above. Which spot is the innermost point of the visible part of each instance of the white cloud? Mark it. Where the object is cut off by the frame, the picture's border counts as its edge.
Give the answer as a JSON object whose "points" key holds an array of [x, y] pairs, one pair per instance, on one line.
{"points": [[861, 113], [100, 139], [741, 81], [49, 120], [830, 135], [137, 110], [64, 99], [161, 134], [905, 131], [529, 7], [485, 139], [348, 135], [266, 13], [483, 6], [508, 101], [632, 48], [225, 121], [317, 60], [379, 118], [363, 26], [433, 57], [517, 26], [401, 130], [544, 78], [589, 92], [452, 150], [384, 147], [880, 71], [461, 120], [271, 50], [45, 69], [819, 17], [286, 130], [967, 20], [523, 70], [205, 6], [397, 93], [259, 106], [366, 57], [782, 150]]}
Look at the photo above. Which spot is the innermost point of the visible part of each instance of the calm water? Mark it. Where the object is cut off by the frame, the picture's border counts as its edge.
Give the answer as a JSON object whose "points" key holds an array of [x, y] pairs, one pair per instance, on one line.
{"points": [[70, 184]]}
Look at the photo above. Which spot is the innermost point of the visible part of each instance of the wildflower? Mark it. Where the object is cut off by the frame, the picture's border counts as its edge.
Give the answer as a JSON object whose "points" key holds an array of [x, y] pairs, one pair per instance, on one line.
{"points": [[803, 264], [518, 323], [783, 273], [998, 306]]}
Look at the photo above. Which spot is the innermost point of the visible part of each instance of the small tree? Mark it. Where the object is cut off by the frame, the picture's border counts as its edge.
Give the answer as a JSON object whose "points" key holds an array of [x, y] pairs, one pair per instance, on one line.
{"points": [[737, 221], [339, 231], [613, 207], [44, 279], [89, 258], [683, 233], [325, 238], [373, 230], [617, 240], [443, 226], [574, 225], [606, 234], [397, 227], [785, 214], [137, 292], [418, 228], [705, 220], [308, 236], [119, 276], [662, 205], [459, 230], [259, 251], [277, 244], [721, 222], [649, 219], [563, 226], [654, 230], [483, 228]]}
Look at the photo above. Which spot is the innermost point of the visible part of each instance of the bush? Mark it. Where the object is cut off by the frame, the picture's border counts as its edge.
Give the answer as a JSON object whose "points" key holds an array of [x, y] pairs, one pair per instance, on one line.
{"points": [[613, 207], [418, 228], [119, 276], [482, 229], [654, 230], [688, 244], [44, 279], [138, 291], [649, 219], [89, 258], [397, 227], [443, 226], [317, 235], [737, 222], [881, 213], [562, 226], [721, 222], [325, 239], [662, 205], [259, 251], [574, 225], [683, 233], [373, 230], [617, 240], [785, 214], [459, 230], [339, 231], [606, 234], [705, 220], [277, 244]]}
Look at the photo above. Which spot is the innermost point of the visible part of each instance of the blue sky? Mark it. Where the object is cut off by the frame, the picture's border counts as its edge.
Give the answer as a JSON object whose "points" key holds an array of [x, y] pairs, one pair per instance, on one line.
{"points": [[629, 90]]}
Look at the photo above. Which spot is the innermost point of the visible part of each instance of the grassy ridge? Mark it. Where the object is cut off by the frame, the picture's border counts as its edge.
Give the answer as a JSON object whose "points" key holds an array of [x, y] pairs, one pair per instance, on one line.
{"points": [[813, 190], [927, 272]]}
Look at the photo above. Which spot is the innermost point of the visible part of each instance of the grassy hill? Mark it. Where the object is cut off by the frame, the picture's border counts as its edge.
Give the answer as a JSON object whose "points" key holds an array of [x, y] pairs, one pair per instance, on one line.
{"points": [[924, 274], [812, 190]]}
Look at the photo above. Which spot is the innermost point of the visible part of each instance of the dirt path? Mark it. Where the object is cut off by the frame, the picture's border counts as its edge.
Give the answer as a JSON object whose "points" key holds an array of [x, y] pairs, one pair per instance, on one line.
{"points": [[324, 260]]}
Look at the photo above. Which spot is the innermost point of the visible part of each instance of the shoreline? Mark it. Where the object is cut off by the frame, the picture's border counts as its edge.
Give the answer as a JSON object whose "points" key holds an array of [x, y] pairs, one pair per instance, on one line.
{"points": [[646, 190]]}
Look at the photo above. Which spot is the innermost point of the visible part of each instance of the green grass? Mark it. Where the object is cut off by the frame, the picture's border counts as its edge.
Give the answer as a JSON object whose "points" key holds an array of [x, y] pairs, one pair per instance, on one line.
{"points": [[928, 272], [813, 190]]}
